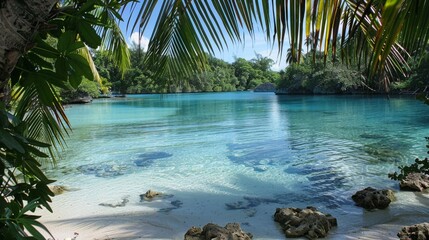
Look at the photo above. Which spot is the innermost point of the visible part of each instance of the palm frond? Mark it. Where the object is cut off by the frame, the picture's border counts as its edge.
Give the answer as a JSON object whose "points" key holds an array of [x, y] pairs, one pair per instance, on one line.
{"points": [[38, 105], [381, 32], [112, 38]]}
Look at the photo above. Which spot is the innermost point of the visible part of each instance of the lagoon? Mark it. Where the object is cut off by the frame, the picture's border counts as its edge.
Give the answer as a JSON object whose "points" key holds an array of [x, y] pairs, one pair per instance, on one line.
{"points": [[233, 157]]}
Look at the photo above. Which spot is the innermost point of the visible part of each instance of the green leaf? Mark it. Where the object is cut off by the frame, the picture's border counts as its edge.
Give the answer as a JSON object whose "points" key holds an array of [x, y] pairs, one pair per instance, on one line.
{"points": [[62, 67], [80, 65], [36, 59], [66, 40], [75, 46], [10, 142], [88, 34], [45, 50], [75, 79]]}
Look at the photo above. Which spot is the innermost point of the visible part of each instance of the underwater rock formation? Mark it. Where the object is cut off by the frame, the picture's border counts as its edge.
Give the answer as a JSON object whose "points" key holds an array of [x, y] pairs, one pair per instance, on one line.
{"points": [[104, 169], [309, 222], [147, 159], [232, 231], [371, 198]]}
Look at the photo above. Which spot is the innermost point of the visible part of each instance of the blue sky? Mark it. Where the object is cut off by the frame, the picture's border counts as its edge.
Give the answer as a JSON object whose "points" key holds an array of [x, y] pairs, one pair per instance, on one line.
{"points": [[248, 49]]}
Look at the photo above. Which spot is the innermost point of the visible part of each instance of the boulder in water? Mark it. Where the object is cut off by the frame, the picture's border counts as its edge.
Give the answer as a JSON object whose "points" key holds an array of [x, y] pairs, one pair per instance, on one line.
{"points": [[232, 231], [149, 195], [371, 198], [415, 232], [308, 222], [415, 182]]}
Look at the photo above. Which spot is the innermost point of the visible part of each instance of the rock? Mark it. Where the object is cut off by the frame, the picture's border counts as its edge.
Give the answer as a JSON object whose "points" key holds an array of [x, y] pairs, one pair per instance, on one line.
{"points": [[265, 87], [415, 232], [370, 198], [232, 231], [415, 182], [307, 222], [149, 195], [58, 189]]}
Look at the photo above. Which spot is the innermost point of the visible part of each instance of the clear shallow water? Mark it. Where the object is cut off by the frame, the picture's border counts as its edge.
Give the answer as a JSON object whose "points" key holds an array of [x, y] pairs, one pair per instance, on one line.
{"points": [[237, 156]]}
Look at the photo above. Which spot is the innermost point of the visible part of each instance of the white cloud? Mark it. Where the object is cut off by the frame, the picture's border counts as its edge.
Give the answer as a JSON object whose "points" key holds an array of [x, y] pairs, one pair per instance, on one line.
{"points": [[144, 41]]}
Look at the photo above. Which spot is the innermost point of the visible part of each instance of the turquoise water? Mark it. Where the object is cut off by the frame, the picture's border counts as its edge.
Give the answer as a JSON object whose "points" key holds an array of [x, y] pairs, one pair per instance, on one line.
{"points": [[235, 156]]}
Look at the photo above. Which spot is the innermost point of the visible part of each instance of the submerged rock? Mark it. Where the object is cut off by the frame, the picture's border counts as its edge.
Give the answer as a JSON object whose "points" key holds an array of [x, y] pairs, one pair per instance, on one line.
{"points": [[415, 182], [415, 232], [309, 222], [175, 205], [147, 159], [371, 198], [104, 169], [371, 136], [118, 204], [232, 231]]}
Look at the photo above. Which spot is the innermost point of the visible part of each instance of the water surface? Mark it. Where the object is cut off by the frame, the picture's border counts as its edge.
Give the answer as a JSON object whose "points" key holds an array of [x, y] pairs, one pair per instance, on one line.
{"points": [[226, 157]]}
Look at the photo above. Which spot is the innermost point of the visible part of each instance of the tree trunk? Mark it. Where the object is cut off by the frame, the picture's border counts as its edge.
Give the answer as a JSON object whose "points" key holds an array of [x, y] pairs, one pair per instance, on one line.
{"points": [[19, 22]]}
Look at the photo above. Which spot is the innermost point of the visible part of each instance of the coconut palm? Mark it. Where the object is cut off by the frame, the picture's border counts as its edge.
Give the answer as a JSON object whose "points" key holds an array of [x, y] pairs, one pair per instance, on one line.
{"points": [[43, 47], [381, 32]]}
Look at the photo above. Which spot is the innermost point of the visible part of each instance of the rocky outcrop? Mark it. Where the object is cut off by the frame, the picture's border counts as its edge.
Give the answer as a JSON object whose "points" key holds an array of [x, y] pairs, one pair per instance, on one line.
{"points": [[308, 222], [415, 232], [415, 182], [371, 198], [265, 87], [232, 231]]}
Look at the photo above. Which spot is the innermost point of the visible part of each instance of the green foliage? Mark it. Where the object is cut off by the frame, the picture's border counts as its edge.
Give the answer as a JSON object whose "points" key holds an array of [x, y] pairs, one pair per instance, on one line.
{"points": [[419, 166], [311, 77], [23, 185], [30, 133], [86, 88], [220, 76]]}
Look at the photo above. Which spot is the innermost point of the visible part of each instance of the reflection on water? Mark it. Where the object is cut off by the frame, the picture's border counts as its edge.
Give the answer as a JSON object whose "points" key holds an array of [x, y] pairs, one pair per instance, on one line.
{"points": [[241, 152]]}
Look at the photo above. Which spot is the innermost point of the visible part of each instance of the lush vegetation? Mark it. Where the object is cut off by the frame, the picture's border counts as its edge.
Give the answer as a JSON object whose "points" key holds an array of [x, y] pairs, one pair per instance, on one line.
{"points": [[32, 121], [53, 57], [317, 77], [219, 76]]}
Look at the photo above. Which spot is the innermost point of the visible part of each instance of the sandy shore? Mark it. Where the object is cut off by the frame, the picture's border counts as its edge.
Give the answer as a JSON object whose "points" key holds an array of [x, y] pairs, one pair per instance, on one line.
{"points": [[156, 219]]}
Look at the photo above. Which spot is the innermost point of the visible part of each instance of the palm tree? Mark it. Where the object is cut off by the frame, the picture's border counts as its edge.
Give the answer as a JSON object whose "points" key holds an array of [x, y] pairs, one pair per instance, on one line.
{"points": [[43, 47], [15, 43], [292, 55], [382, 31]]}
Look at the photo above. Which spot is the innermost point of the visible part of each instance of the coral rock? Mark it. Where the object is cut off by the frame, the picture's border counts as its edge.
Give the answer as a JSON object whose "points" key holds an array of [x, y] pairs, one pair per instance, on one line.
{"points": [[415, 232], [232, 231], [307, 222], [149, 195], [370, 198], [415, 182]]}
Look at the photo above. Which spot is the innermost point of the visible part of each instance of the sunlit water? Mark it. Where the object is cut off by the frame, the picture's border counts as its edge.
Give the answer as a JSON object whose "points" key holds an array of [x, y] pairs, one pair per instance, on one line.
{"points": [[236, 157]]}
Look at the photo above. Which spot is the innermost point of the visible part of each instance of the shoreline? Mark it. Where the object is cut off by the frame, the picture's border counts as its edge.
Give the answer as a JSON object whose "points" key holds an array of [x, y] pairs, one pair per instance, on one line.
{"points": [[134, 221]]}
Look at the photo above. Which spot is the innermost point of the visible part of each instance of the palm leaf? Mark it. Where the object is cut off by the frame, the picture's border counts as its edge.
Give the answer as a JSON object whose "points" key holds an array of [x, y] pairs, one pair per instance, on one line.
{"points": [[382, 33]]}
